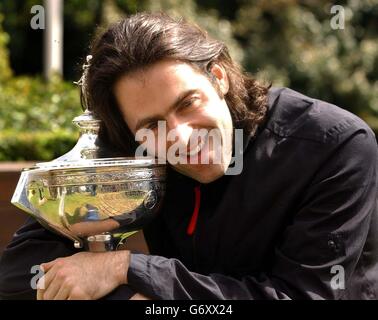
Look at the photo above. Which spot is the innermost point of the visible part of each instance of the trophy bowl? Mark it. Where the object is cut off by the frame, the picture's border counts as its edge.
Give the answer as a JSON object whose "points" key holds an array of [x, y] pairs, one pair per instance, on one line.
{"points": [[99, 200], [96, 202]]}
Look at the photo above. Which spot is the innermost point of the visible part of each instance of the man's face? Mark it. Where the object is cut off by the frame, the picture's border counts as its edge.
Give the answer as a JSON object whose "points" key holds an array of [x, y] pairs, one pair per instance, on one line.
{"points": [[182, 98]]}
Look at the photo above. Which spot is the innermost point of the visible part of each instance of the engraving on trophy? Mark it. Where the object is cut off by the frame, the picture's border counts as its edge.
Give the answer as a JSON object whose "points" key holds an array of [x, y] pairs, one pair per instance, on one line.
{"points": [[150, 200], [89, 199]]}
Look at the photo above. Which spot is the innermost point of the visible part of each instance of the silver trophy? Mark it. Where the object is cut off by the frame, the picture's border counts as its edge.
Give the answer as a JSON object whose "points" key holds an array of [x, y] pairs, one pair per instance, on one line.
{"points": [[96, 202]]}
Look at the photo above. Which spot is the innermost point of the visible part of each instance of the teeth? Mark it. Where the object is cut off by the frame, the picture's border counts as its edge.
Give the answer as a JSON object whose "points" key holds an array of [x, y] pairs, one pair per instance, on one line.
{"points": [[194, 151], [197, 149]]}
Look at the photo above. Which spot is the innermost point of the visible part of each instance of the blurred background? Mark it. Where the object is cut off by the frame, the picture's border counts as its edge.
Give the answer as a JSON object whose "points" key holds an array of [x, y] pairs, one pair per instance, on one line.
{"points": [[288, 42]]}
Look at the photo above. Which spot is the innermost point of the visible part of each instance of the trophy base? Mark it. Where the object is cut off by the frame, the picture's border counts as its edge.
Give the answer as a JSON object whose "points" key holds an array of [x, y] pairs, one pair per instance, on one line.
{"points": [[100, 243], [103, 242]]}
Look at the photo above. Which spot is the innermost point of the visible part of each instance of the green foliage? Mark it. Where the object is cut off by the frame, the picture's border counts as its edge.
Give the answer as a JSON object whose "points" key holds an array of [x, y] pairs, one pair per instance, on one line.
{"points": [[22, 38], [34, 113], [37, 145], [292, 44], [208, 20], [80, 21], [35, 122], [288, 42], [30, 104], [5, 70]]}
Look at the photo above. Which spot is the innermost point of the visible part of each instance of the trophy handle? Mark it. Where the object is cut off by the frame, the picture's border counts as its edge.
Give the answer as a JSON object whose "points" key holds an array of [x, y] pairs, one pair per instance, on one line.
{"points": [[105, 241], [19, 198], [100, 242]]}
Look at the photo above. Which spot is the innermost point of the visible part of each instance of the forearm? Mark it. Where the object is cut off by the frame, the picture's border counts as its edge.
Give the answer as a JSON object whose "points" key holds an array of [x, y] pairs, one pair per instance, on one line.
{"points": [[168, 279]]}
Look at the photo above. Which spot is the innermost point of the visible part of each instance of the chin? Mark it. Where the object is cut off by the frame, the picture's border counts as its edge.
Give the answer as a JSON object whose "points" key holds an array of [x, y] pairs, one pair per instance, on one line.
{"points": [[203, 173]]}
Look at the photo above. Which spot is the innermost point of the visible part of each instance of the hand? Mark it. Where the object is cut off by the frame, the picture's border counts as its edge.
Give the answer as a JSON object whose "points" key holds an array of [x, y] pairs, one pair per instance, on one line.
{"points": [[83, 276], [139, 296]]}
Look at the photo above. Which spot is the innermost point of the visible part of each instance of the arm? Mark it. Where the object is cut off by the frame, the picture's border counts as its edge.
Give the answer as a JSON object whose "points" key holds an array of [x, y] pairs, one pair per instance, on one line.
{"points": [[330, 227], [32, 245]]}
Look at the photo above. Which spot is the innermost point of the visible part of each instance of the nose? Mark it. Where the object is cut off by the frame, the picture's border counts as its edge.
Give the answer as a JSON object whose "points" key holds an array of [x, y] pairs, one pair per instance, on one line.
{"points": [[179, 131]]}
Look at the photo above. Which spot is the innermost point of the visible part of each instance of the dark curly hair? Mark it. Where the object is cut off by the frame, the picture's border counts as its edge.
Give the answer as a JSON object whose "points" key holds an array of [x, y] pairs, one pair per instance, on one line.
{"points": [[143, 39]]}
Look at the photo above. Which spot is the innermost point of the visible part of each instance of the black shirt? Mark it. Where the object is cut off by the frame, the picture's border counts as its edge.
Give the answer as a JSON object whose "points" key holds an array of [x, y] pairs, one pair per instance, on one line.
{"points": [[299, 222]]}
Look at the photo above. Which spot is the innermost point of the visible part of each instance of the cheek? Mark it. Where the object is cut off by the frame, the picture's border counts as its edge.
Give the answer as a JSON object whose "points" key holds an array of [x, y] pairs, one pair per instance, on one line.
{"points": [[219, 113]]}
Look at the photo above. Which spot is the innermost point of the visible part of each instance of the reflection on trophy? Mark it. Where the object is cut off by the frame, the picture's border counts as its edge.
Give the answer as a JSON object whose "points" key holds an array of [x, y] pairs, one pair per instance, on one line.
{"points": [[96, 202]]}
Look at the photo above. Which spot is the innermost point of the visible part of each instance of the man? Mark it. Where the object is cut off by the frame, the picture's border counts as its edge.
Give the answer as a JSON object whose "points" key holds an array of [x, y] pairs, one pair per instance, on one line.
{"points": [[298, 222]]}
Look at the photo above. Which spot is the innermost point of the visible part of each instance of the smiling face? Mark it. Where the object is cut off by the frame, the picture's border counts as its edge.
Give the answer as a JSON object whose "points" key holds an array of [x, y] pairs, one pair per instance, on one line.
{"points": [[186, 101]]}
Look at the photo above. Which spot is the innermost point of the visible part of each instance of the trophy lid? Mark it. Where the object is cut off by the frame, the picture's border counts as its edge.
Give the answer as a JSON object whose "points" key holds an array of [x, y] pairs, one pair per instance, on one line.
{"points": [[104, 162], [85, 154]]}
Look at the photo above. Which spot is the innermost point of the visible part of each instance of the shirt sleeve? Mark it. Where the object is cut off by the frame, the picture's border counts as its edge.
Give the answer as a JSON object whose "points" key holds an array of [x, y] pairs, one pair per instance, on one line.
{"points": [[325, 238]]}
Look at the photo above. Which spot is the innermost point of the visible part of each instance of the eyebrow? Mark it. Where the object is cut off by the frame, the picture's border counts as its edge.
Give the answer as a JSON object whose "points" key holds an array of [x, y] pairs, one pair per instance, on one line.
{"points": [[155, 118]]}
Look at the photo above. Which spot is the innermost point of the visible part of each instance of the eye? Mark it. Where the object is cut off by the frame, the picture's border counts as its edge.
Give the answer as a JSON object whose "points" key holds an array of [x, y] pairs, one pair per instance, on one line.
{"points": [[189, 102], [151, 126]]}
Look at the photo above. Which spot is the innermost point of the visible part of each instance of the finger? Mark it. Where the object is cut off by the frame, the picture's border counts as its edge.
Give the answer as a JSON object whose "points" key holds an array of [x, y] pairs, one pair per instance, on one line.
{"points": [[47, 265], [63, 293], [77, 295], [41, 283], [139, 296], [40, 294], [48, 278], [52, 289]]}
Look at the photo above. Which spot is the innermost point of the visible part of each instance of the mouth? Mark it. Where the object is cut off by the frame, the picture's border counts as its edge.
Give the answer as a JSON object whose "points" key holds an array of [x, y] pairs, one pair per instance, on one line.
{"points": [[197, 149]]}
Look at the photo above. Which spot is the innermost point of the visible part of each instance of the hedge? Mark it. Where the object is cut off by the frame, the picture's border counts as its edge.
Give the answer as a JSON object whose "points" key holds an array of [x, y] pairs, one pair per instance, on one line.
{"points": [[44, 146]]}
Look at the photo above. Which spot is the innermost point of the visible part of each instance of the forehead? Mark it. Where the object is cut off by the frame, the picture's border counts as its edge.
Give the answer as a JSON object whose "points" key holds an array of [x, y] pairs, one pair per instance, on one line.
{"points": [[152, 89], [161, 73]]}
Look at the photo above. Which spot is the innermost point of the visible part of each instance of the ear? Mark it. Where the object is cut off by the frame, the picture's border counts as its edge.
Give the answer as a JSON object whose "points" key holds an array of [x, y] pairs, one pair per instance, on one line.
{"points": [[221, 77]]}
